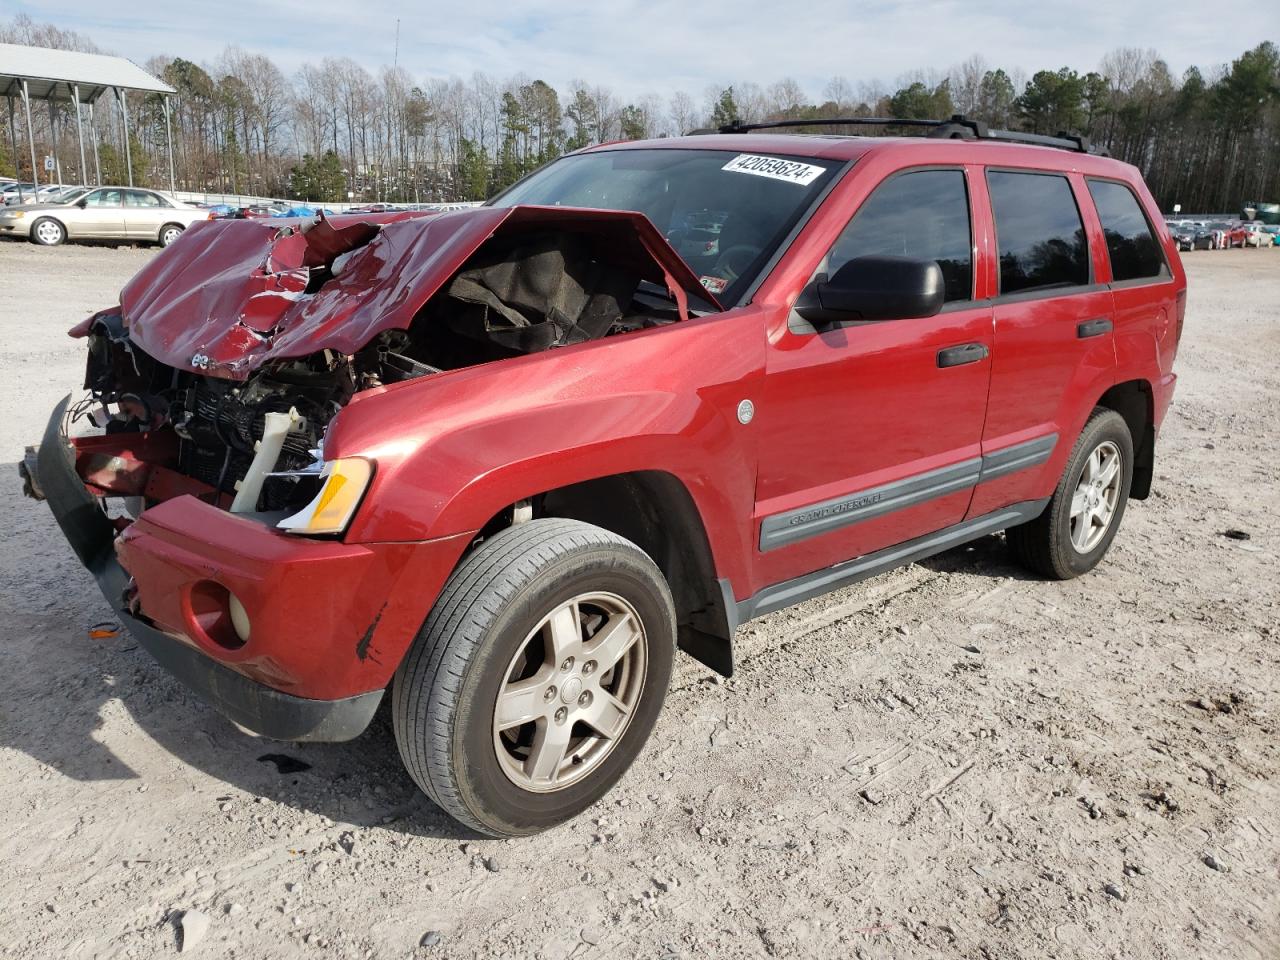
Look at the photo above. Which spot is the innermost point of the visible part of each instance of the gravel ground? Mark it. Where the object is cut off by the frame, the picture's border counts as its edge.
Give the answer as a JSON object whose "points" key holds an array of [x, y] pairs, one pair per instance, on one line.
{"points": [[951, 760]]}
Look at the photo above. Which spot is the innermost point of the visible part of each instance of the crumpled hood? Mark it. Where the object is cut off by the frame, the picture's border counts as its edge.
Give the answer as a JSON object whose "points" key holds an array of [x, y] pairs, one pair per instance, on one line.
{"points": [[233, 294]]}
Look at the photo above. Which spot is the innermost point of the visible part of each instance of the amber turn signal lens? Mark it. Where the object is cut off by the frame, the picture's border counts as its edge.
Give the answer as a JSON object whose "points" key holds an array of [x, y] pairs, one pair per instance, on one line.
{"points": [[330, 511]]}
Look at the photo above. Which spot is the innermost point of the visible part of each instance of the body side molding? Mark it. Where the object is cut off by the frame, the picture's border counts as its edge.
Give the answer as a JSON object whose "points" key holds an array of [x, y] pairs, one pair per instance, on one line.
{"points": [[1020, 456], [786, 528], [792, 526]]}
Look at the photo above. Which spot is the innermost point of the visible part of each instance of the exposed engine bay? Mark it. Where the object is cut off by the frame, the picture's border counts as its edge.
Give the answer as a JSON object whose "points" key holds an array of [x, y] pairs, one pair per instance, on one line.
{"points": [[515, 295]]}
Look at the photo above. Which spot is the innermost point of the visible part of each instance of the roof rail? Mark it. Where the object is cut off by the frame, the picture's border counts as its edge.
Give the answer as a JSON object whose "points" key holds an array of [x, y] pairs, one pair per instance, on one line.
{"points": [[958, 127]]}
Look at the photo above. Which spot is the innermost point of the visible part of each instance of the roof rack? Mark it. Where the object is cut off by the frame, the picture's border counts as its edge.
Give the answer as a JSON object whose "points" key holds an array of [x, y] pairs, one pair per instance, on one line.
{"points": [[957, 127]]}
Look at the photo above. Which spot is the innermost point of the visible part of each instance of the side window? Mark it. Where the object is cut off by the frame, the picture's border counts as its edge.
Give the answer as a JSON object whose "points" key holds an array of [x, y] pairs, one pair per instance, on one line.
{"points": [[922, 214], [103, 198], [140, 198], [1132, 247], [1039, 233]]}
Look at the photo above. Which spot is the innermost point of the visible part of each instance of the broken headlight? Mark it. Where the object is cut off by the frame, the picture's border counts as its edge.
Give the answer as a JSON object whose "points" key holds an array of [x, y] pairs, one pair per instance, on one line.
{"points": [[342, 485]]}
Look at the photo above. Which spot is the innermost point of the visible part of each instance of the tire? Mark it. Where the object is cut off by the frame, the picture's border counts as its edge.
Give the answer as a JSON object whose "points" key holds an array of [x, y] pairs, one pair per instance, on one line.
{"points": [[48, 232], [1051, 544], [483, 639], [169, 233]]}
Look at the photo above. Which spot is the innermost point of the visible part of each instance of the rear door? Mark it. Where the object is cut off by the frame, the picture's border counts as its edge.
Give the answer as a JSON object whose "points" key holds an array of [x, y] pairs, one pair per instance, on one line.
{"points": [[869, 434], [101, 216], [1054, 347], [144, 212]]}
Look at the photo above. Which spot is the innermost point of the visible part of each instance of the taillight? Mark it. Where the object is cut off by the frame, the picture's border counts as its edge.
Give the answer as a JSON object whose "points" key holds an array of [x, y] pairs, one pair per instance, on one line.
{"points": [[1180, 308]]}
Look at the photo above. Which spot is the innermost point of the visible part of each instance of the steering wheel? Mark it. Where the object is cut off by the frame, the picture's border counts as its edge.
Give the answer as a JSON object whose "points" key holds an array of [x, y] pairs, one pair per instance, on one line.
{"points": [[733, 261]]}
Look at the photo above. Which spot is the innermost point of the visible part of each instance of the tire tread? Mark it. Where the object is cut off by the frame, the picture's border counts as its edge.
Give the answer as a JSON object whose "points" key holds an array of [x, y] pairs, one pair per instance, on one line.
{"points": [[429, 682], [1039, 544]]}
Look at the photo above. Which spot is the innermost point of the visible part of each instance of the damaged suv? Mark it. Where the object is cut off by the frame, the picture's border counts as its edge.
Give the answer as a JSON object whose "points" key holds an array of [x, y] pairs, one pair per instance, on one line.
{"points": [[499, 464]]}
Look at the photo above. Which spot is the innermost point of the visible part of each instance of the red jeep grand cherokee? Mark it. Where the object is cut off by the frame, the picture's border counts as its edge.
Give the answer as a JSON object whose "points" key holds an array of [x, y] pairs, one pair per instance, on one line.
{"points": [[503, 461]]}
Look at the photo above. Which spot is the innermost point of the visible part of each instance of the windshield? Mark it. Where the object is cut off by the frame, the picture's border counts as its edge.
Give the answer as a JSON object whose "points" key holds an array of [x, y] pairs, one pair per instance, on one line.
{"points": [[724, 212]]}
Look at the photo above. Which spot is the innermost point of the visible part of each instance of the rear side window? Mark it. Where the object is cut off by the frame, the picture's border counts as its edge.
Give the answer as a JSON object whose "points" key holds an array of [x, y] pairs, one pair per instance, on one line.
{"points": [[140, 198], [923, 214], [1038, 231], [1133, 248]]}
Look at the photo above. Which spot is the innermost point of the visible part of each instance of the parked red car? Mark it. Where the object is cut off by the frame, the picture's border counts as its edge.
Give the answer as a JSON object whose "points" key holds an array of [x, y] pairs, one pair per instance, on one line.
{"points": [[502, 462], [1235, 234]]}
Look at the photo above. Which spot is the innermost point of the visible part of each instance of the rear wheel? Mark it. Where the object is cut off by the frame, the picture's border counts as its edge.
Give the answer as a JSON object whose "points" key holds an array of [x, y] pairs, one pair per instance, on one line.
{"points": [[1075, 530], [169, 233], [48, 232], [537, 677]]}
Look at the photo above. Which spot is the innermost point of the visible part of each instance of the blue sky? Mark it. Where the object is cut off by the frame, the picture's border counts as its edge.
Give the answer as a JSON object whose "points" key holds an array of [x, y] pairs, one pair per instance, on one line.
{"points": [[665, 45]]}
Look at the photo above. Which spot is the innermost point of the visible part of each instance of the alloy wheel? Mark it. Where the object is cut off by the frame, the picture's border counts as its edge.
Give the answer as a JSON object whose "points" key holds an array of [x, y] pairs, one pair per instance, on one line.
{"points": [[569, 692], [1097, 493]]}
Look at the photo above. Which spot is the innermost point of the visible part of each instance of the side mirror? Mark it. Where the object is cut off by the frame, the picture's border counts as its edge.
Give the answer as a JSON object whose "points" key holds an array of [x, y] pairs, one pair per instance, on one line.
{"points": [[82, 203], [874, 288]]}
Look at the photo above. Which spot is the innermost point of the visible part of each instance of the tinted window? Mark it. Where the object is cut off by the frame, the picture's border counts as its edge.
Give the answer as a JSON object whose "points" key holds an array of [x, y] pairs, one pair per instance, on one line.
{"points": [[924, 215], [1133, 248], [1038, 230], [725, 213]]}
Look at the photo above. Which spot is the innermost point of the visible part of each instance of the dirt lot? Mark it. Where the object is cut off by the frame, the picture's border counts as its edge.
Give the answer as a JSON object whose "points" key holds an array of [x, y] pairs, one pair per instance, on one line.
{"points": [[952, 760]]}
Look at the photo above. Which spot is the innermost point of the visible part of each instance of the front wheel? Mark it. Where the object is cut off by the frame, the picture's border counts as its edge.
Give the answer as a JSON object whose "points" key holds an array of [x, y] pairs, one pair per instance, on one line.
{"points": [[537, 677], [1075, 530], [48, 232]]}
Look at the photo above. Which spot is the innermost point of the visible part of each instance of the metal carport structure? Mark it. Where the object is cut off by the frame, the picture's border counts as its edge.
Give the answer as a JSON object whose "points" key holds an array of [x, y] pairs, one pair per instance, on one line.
{"points": [[77, 80]]}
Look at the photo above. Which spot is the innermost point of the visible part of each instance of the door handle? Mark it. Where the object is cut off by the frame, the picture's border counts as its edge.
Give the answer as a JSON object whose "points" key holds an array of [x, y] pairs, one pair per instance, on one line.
{"points": [[1093, 328], [965, 353]]}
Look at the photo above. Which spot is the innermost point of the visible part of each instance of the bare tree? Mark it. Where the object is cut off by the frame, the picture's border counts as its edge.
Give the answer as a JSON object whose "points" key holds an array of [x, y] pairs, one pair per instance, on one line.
{"points": [[683, 113]]}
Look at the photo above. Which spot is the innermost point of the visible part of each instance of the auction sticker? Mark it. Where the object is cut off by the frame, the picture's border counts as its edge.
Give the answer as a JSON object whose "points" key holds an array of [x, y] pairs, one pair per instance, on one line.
{"points": [[775, 168]]}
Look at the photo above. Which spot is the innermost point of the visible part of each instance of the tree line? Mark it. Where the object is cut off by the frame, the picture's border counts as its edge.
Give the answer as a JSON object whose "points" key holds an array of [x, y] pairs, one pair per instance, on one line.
{"points": [[1208, 139]]}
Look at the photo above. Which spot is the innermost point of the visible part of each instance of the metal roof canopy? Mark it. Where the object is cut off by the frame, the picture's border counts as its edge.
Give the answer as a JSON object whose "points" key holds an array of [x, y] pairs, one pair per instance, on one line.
{"points": [[56, 74], [76, 79]]}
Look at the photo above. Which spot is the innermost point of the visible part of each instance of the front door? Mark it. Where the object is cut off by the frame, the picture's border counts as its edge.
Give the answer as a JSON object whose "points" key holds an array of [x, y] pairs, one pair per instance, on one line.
{"points": [[870, 434], [101, 216]]}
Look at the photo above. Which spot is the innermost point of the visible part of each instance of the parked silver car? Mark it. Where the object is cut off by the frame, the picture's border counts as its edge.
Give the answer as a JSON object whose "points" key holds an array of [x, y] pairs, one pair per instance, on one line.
{"points": [[105, 213]]}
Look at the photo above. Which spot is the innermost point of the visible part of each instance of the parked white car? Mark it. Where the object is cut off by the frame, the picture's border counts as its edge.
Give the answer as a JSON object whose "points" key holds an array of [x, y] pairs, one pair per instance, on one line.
{"points": [[105, 213], [1256, 236]]}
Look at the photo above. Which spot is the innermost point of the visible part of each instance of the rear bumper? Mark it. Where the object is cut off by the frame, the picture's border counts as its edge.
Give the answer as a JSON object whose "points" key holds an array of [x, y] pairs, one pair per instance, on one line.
{"points": [[328, 626]]}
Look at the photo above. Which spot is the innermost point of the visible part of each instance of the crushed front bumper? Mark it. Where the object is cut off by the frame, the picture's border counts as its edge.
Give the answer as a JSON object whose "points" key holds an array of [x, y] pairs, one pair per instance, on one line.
{"points": [[337, 678]]}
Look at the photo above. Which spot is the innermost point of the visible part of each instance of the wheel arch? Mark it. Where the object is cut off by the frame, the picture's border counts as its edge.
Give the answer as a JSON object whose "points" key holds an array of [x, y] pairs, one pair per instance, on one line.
{"points": [[1132, 399], [654, 510], [166, 225]]}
